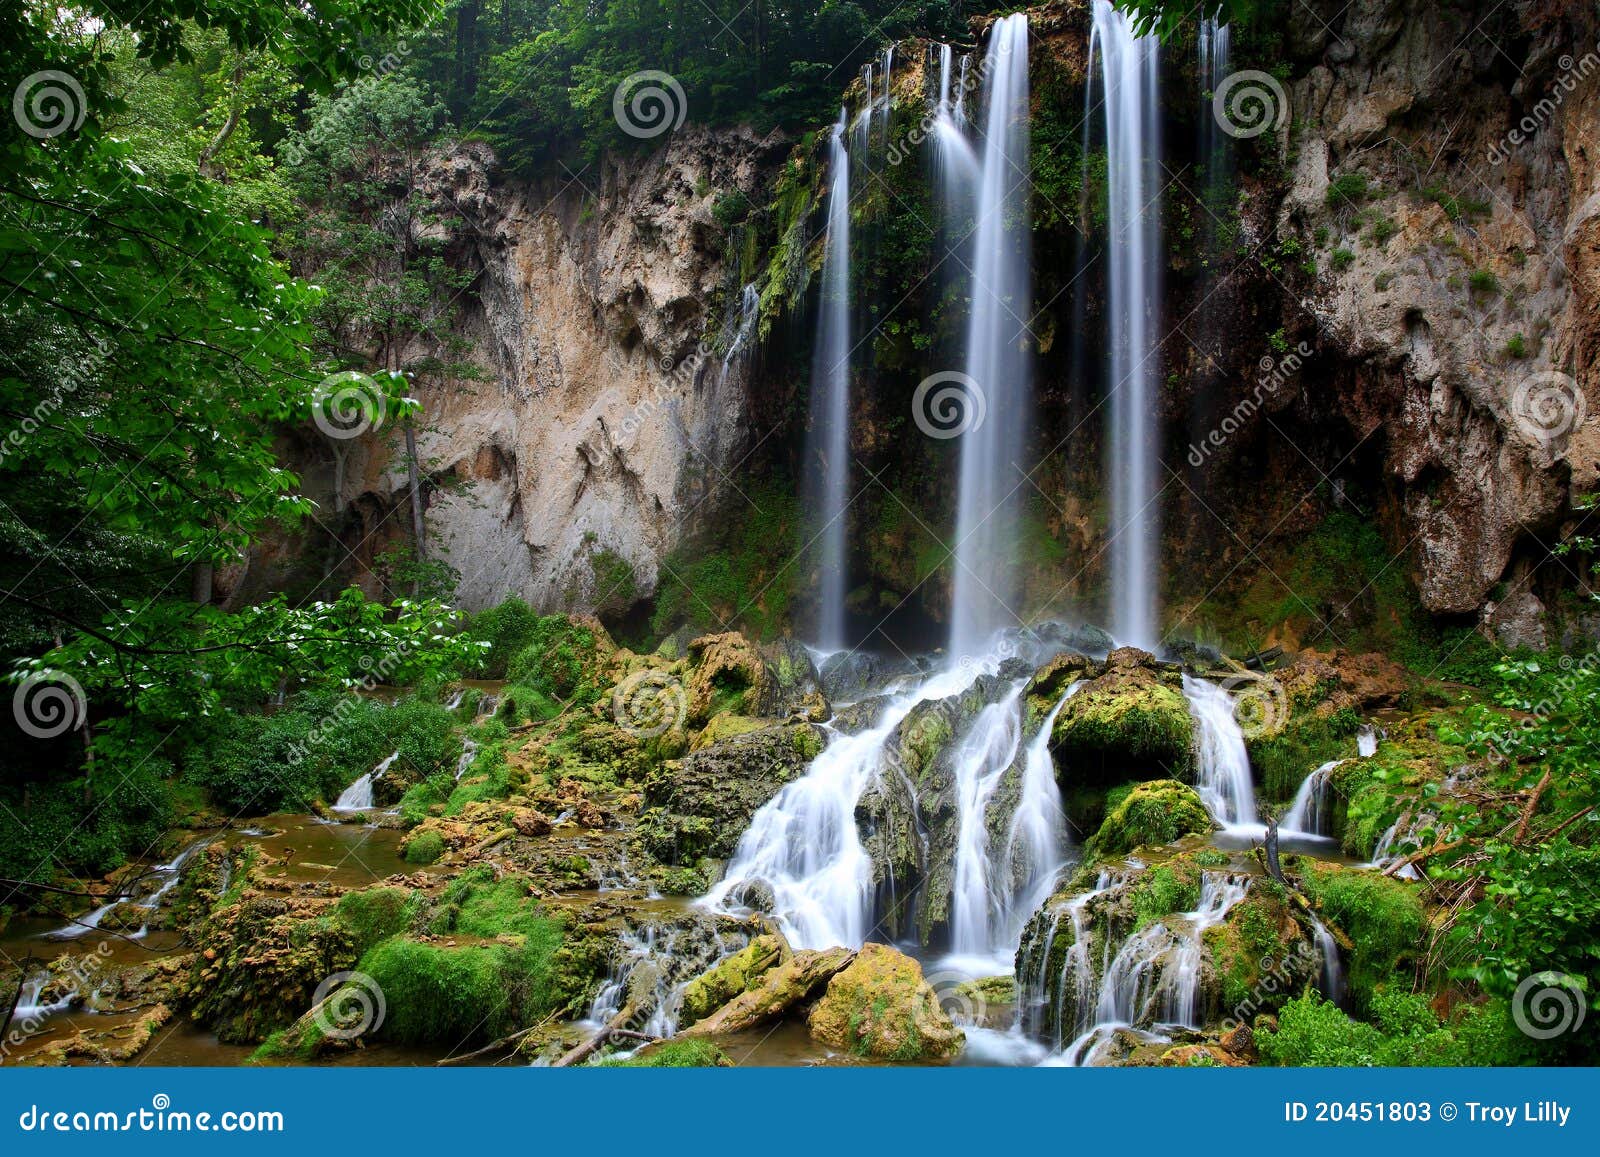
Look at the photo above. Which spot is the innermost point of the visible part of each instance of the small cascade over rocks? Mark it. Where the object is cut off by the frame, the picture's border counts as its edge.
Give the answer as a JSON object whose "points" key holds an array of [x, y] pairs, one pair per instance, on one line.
{"points": [[942, 812], [1331, 980], [469, 752], [146, 893], [1223, 780], [1367, 741], [358, 796], [1086, 970], [1311, 811], [655, 961]]}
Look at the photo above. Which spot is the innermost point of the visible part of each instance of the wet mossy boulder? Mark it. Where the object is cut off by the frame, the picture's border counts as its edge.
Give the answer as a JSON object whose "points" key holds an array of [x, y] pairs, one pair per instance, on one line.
{"points": [[1129, 722], [700, 805], [1051, 681], [881, 1007], [737, 974], [726, 726], [1262, 954], [793, 689], [726, 673], [1152, 813], [784, 987]]}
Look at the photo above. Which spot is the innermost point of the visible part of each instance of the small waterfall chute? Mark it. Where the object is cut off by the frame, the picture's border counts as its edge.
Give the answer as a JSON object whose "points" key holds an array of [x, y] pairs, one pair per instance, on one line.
{"points": [[1223, 777], [1311, 811], [358, 796]]}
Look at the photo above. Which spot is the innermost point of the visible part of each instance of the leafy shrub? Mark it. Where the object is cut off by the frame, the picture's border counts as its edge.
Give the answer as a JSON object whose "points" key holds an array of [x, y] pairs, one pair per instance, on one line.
{"points": [[1312, 1031], [507, 628], [1347, 189], [560, 661], [1382, 918]]}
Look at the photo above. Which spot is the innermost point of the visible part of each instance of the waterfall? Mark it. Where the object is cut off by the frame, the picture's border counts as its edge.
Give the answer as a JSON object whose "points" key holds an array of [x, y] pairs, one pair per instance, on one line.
{"points": [[982, 758], [830, 400], [1223, 778], [954, 161], [1311, 811], [804, 843], [743, 330], [1154, 977], [358, 796], [994, 439], [1367, 741], [1133, 151], [145, 894], [1215, 44], [469, 752], [1331, 981], [655, 966], [1036, 845]]}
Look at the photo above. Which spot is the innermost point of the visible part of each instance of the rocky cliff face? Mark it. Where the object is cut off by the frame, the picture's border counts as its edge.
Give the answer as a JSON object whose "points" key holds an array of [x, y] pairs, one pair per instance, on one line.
{"points": [[604, 411], [1462, 297]]}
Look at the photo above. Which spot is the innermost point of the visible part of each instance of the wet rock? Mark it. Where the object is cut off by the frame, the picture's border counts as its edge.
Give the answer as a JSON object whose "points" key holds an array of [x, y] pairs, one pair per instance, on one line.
{"points": [[530, 823], [1129, 722], [794, 690], [700, 805], [881, 1007], [782, 988], [737, 974], [726, 673], [861, 715], [1156, 812], [1240, 1042], [851, 675]]}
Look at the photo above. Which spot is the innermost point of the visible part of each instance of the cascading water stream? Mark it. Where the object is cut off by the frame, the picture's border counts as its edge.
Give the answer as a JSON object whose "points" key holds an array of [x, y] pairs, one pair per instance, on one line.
{"points": [[1223, 778], [1133, 149], [830, 403], [1036, 845], [994, 440], [989, 748], [1154, 977], [1311, 811], [358, 796]]}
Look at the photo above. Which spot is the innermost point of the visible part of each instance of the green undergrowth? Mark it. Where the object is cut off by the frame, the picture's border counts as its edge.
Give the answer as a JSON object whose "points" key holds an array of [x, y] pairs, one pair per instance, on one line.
{"points": [[1282, 761], [1404, 1031], [672, 1054], [1382, 917]]}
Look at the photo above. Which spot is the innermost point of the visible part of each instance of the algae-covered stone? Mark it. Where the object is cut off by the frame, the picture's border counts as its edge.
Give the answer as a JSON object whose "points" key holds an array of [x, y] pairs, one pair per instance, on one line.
{"points": [[781, 989], [1157, 812], [737, 974], [1131, 722], [880, 1006], [726, 673], [700, 805], [726, 726]]}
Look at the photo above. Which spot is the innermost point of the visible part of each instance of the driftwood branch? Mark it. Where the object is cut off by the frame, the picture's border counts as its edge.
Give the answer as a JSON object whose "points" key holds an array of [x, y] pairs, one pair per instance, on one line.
{"points": [[494, 1046], [1530, 807], [588, 1048]]}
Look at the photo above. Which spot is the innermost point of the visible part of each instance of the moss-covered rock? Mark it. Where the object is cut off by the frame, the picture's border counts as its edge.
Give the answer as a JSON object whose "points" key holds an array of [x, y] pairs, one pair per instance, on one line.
{"points": [[881, 1007], [726, 673], [737, 974], [1129, 722], [424, 847], [1157, 812], [782, 988], [1262, 955], [700, 805], [1382, 917], [726, 726]]}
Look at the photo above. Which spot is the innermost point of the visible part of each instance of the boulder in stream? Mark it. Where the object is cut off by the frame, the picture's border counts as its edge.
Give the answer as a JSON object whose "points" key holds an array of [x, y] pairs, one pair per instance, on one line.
{"points": [[881, 1007]]}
